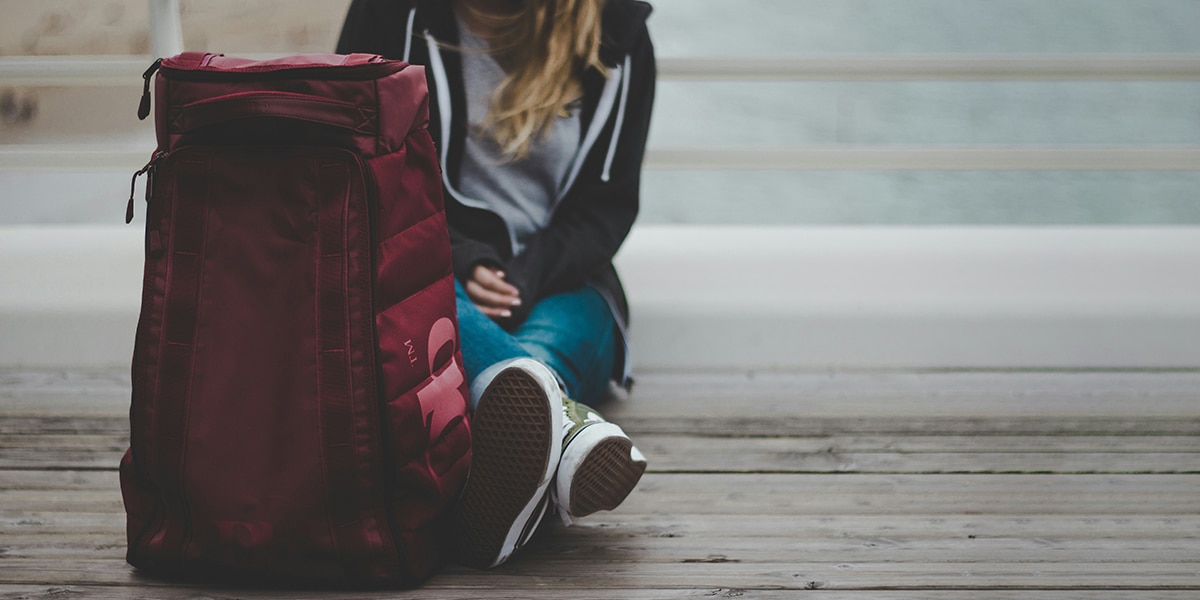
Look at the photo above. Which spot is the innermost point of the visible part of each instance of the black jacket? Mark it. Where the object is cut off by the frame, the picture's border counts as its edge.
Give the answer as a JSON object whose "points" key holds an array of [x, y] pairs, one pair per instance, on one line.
{"points": [[594, 217]]}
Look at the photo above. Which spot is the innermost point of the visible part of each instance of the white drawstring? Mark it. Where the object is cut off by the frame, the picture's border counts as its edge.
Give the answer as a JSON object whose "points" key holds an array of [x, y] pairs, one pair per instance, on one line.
{"points": [[616, 134], [412, 17], [443, 91]]}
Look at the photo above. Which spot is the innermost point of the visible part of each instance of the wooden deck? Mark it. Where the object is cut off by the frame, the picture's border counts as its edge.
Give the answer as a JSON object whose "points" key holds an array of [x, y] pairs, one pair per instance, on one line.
{"points": [[837, 486]]}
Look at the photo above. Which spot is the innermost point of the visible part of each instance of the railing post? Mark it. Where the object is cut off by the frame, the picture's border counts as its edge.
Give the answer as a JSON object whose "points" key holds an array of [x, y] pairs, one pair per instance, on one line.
{"points": [[166, 30]]}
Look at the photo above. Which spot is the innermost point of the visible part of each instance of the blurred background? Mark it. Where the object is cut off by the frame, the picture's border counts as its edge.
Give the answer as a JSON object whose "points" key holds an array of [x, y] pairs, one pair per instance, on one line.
{"points": [[880, 129]]}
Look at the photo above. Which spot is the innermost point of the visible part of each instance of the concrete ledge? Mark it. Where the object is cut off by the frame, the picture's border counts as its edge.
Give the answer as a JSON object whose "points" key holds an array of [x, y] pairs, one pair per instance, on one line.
{"points": [[719, 297], [884, 297]]}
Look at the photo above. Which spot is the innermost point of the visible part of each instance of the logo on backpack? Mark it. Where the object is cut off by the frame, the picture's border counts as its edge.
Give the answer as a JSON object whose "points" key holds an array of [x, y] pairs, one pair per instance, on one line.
{"points": [[446, 384]]}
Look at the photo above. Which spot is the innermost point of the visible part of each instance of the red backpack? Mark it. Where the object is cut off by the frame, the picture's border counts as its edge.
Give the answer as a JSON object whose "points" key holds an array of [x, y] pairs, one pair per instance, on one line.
{"points": [[299, 407]]}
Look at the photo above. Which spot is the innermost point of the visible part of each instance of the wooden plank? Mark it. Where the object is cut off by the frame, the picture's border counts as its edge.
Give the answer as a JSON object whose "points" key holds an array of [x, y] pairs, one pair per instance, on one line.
{"points": [[821, 494], [69, 546], [890, 527], [782, 424], [112, 441], [859, 528], [810, 575], [561, 553], [641, 421], [785, 494], [60, 523], [750, 426], [846, 576], [835, 454], [963, 549], [864, 528], [96, 442], [748, 460], [978, 393], [518, 590], [79, 460], [749, 457], [677, 453], [62, 451], [913, 444], [605, 546], [56, 480], [813, 573], [63, 405], [695, 422], [109, 425], [954, 403]]}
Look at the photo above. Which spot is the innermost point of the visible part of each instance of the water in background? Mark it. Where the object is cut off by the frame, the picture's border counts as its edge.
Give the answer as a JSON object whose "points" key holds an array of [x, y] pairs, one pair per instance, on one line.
{"points": [[762, 114]]}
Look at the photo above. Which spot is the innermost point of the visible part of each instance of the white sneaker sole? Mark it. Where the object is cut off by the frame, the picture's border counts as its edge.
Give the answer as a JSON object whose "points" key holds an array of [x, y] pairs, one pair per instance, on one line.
{"points": [[599, 469], [516, 445]]}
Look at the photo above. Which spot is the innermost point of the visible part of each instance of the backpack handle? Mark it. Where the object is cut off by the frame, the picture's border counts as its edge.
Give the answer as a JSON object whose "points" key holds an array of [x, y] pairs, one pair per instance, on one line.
{"points": [[270, 104]]}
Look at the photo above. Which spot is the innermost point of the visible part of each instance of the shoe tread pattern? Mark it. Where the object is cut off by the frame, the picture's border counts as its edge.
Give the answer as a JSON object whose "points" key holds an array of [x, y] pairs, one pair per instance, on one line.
{"points": [[605, 477], [511, 433]]}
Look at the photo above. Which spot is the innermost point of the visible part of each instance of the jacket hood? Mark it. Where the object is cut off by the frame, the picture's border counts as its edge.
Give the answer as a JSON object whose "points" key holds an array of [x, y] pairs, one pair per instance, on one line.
{"points": [[622, 22]]}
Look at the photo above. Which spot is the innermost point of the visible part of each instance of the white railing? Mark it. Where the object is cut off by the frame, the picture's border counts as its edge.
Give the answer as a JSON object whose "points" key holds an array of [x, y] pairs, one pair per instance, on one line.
{"points": [[53, 157], [927, 158], [166, 29], [893, 67], [127, 70]]}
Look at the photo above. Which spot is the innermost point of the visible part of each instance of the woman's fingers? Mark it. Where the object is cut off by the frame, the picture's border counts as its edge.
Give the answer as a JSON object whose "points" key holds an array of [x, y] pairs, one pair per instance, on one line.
{"points": [[493, 280], [494, 296], [485, 297]]}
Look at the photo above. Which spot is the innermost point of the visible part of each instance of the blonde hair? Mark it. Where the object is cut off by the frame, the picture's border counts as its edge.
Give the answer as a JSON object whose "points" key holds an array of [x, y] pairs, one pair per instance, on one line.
{"points": [[543, 46]]}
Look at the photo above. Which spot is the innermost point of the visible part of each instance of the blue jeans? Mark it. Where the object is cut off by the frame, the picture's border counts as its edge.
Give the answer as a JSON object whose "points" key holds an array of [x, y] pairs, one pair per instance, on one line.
{"points": [[573, 333]]}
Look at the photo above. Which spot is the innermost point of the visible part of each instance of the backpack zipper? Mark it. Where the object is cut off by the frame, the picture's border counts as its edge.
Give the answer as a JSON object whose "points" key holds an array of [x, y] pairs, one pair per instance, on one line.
{"points": [[149, 170], [144, 106], [275, 72], [360, 72]]}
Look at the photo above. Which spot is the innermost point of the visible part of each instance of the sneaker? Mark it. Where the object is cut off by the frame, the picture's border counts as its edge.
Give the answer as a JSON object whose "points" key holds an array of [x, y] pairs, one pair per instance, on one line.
{"points": [[516, 444], [600, 466]]}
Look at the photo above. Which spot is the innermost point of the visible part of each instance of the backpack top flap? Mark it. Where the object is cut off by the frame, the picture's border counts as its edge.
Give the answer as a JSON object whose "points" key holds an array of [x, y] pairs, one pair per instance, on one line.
{"points": [[207, 98]]}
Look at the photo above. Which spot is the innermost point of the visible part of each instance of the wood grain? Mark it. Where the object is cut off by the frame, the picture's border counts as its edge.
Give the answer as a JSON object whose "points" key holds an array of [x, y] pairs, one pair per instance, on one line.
{"points": [[861, 486]]}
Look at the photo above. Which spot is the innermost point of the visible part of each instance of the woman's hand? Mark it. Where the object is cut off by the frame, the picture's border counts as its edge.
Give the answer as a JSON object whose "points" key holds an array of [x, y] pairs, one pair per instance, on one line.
{"points": [[494, 296]]}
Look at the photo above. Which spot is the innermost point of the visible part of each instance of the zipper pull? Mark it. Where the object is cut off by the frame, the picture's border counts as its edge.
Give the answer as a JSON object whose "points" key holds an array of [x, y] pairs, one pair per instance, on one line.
{"points": [[144, 107], [149, 170]]}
